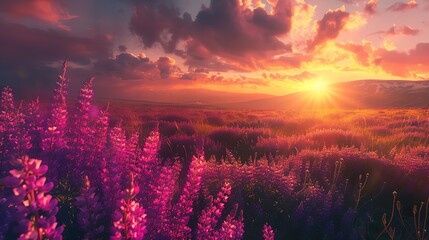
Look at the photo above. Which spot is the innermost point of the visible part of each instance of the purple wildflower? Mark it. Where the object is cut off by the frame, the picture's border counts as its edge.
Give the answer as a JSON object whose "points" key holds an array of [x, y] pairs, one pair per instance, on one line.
{"points": [[211, 214], [89, 215], [37, 208], [130, 218], [267, 232]]}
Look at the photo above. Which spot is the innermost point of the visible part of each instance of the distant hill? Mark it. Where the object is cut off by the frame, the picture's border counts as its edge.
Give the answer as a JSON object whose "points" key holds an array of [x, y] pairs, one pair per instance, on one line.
{"points": [[195, 97], [353, 94]]}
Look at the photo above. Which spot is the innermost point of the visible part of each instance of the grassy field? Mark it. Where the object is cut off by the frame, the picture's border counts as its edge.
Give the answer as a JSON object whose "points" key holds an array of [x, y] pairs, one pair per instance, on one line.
{"points": [[134, 171]]}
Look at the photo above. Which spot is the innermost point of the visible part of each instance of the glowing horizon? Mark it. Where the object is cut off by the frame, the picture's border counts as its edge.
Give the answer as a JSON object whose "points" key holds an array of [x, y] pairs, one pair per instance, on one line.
{"points": [[271, 47]]}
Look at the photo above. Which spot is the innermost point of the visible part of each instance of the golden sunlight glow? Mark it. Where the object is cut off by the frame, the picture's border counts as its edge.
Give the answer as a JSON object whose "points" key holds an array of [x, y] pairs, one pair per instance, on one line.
{"points": [[319, 86]]}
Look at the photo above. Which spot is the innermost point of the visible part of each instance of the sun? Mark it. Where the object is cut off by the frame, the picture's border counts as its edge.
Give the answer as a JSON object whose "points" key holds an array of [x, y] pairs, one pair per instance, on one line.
{"points": [[319, 87], [319, 94]]}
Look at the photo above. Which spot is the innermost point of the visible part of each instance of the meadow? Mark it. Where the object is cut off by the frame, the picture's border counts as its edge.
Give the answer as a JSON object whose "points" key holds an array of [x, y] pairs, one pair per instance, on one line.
{"points": [[81, 169]]}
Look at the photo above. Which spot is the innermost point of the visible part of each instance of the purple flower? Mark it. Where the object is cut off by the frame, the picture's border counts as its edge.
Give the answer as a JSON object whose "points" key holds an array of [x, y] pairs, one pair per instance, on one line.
{"points": [[130, 218], [90, 212], [211, 214], [182, 210], [267, 232], [232, 228], [37, 208]]}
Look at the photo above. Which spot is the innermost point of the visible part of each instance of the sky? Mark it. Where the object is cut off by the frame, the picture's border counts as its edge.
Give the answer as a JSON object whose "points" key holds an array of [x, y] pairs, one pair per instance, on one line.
{"points": [[248, 46]]}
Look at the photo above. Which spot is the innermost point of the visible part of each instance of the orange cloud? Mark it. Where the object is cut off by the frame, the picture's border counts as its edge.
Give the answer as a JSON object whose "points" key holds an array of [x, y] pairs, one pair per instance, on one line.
{"points": [[50, 11], [362, 52], [329, 27]]}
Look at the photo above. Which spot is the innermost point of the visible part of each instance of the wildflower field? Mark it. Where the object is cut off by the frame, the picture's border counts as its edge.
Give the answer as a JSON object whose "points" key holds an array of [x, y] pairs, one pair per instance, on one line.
{"points": [[78, 169]]}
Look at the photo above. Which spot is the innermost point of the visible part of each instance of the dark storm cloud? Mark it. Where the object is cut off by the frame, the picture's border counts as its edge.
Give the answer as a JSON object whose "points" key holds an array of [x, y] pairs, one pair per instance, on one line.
{"points": [[159, 22], [28, 56], [127, 66], [329, 27], [122, 48], [225, 28], [21, 43]]}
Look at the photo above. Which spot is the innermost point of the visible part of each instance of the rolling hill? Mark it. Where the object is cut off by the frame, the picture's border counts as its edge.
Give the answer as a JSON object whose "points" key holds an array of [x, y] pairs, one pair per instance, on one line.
{"points": [[353, 94]]}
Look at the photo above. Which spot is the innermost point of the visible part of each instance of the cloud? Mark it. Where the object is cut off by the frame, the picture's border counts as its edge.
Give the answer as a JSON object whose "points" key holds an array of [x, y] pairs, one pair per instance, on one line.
{"points": [[50, 11], [22, 43], [362, 52], [300, 77], [404, 30], [400, 6], [370, 7], [122, 48], [166, 66], [404, 64], [127, 66], [226, 28], [329, 27], [348, 1]]}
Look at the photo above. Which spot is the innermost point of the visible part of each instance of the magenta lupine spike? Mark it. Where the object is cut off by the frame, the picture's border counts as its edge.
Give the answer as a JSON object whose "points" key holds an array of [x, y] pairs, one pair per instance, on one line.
{"points": [[232, 228], [80, 134], [111, 175], [57, 119], [8, 117], [133, 153], [181, 212], [53, 135], [149, 161], [32, 201], [23, 143], [211, 214], [130, 218], [158, 202], [148, 166], [151, 148], [267, 232], [90, 214], [118, 152], [98, 154], [34, 126]]}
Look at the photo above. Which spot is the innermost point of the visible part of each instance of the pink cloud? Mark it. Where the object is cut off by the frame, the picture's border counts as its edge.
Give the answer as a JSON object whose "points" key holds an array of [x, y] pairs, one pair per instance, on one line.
{"points": [[362, 52], [400, 6], [405, 64], [404, 30], [50, 11]]}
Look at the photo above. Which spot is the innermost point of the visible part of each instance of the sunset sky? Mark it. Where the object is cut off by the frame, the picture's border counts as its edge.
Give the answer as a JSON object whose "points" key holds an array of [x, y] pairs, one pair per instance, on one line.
{"points": [[252, 46]]}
